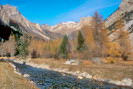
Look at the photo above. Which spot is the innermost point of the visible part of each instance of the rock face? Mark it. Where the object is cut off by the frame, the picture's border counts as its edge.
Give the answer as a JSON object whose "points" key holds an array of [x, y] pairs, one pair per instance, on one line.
{"points": [[12, 17], [124, 11]]}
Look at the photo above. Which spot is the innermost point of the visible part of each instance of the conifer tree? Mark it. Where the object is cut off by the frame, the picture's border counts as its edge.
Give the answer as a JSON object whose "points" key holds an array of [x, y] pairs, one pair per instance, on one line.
{"points": [[81, 42], [22, 47], [63, 49]]}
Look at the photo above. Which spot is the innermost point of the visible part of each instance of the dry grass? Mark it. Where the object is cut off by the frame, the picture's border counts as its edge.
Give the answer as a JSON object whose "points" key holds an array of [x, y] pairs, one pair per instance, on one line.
{"points": [[126, 63], [10, 80], [7, 57], [116, 71]]}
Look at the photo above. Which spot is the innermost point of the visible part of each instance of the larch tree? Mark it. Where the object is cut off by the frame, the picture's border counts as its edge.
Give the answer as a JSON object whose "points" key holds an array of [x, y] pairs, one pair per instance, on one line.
{"points": [[123, 40], [10, 46], [100, 36], [89, 41]]}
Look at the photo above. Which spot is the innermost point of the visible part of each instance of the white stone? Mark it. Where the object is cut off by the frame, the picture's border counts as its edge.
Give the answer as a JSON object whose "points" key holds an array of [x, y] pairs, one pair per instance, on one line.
{"points": [[127, 81], [26, 75], [80, 77], [72, 62], [84, 74], [89, 76]]}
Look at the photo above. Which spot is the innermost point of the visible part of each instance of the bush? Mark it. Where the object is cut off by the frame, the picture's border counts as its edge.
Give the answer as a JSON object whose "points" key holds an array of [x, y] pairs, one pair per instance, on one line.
{"points": [[110, 60]]}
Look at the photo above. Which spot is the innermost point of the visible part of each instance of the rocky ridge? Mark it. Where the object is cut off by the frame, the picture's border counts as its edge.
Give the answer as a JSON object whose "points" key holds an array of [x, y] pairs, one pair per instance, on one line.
{"points": [[67, 28], [12, 17], [125, 12]]}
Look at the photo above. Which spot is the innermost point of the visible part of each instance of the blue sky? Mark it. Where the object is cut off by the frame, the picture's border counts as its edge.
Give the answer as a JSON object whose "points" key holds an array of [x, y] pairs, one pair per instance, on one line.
{"points": [[55, 11]]}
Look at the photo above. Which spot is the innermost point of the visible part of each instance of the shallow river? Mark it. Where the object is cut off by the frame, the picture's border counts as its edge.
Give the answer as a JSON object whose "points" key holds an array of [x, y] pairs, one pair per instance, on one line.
{"points": [[47, 79]]}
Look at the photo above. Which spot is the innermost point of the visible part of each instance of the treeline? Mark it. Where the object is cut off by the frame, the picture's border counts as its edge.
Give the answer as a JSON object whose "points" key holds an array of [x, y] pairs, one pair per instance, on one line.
{"points": [[93, 40]]}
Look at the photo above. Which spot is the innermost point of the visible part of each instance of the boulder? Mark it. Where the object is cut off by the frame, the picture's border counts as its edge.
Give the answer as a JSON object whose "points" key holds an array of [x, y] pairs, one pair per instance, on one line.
{"points": [[72, 62]]}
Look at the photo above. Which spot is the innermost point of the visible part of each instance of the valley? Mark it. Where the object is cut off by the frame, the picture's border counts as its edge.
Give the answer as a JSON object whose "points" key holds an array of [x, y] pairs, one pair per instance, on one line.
{"points": [[91, 53]]}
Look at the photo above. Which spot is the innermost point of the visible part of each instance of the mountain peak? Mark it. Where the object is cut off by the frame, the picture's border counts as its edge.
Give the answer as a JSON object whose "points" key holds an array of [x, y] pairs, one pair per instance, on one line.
{"points": [[68, 22], [11, 16], [9, 7]]}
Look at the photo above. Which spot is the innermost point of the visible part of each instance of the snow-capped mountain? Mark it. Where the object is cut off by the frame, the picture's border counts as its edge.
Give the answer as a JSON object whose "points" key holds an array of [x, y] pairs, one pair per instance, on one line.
{"points": [[67, 27]]}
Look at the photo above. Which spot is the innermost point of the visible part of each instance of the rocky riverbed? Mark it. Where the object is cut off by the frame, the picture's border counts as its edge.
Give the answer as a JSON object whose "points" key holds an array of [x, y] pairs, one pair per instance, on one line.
{"points": [[49, 79]]}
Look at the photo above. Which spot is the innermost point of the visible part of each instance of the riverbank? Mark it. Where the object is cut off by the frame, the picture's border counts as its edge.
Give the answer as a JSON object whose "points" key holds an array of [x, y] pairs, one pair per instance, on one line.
{"points": [[35, 68], [119, 73], [10, 80]]}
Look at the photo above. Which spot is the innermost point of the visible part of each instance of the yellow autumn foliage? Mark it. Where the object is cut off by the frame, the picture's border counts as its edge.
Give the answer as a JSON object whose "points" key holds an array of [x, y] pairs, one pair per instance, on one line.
{"points": [[44, 48], [113, 49], [110, 60]]}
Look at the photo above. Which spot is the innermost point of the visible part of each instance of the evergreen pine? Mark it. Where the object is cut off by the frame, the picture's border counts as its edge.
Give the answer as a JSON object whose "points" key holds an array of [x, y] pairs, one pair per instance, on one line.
{"points": [[81, 42], [63, 49], [22, 47]]}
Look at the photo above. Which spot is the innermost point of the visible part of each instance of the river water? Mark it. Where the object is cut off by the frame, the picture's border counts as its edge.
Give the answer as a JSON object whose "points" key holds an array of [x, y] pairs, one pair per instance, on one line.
{"points": [[47, 79]]}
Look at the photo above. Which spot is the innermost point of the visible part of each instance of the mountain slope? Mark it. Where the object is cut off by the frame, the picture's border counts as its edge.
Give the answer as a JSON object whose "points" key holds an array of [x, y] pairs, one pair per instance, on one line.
{"points": [[67, 28], [125, 12], [12, 17]]}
